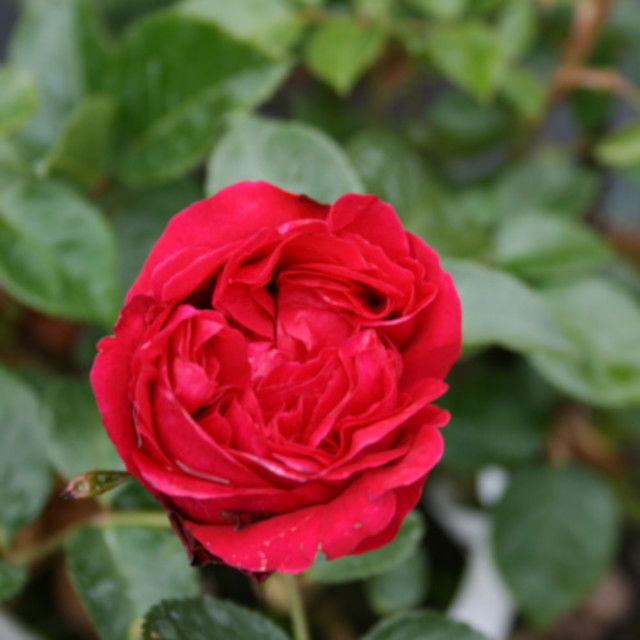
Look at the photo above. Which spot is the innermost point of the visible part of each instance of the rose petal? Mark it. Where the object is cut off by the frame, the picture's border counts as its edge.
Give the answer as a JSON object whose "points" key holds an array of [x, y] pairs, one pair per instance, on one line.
{"points": [[232, 214], [406, 499], [290, 542], [371, 218], [188, 444], [437, 336], [111, 372]]}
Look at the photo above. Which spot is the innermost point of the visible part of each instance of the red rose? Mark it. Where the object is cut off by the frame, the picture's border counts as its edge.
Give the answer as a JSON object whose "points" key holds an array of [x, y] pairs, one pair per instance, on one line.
{"points": [[271, 375]]}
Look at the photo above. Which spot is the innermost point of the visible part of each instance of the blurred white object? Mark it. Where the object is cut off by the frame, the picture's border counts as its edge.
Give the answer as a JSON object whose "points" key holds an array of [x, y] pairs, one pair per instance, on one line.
{"points": [[482, 600], [12, 630], [490, 485]]}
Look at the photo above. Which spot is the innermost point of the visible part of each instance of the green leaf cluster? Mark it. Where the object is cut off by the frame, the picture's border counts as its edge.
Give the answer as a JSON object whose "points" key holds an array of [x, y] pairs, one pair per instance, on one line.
{"points": [[523, 175]]}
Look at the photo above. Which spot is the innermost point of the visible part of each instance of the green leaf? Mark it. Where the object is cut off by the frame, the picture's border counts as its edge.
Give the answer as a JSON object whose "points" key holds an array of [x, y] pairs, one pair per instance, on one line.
{"points": [[469, 54], [603, 322], [12, 580], [379, 9], [517, 27], [341, 49], [268, 24], [499, 416], [62, 45], [57, 252], [208, 618], [461, 124], [179, 79], [76, 441], [120, 14], [402, 587], [457, 225], [324, 109], [539, 246], [525, 91], [18, 99], [24, 473], [621, 148], [422, 625], [141, 219], [447, 10], [119, 572], [82, 151], [546, 181], [390, 168], [12, 165], [458, 222], [554, 534], [500, 309], [294, 156], [626, 22], [371, 563], [489, 7]]}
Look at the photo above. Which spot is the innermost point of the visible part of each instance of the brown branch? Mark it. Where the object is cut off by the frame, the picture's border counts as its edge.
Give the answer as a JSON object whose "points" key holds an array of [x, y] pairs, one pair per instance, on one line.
{"points": [[575, 437], [589, 18], [601, 79]]}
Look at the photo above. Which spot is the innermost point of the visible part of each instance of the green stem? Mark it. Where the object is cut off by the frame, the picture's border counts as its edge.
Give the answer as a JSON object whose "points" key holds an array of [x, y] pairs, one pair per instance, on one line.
{"points": [[29, 555], [156, 519], [296, 608]]}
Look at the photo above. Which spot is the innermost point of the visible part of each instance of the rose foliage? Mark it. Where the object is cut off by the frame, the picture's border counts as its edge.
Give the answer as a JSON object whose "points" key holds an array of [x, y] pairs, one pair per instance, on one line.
{"points": [[276, 376], [272, 375]]}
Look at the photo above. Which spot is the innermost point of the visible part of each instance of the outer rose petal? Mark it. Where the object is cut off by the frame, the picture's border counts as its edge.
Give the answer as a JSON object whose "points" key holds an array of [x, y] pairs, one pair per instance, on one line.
{"points": [[365, 516], [406, 499], [290, 542], [233, 213], [371, 218], [437, 335], [110, 376]]}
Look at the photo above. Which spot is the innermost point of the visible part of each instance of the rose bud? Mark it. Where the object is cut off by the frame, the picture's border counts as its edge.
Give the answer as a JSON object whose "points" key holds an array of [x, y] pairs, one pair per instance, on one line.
{"points": [[94, 483], [272, 375]]}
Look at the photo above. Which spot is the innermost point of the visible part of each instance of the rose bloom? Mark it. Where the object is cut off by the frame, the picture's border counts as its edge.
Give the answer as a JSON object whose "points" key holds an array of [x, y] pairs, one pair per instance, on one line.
{"points": [[272, 374]]}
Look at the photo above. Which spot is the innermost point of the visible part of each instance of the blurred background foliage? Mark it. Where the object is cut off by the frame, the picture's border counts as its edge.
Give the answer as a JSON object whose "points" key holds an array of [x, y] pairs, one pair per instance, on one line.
{"points": [[505, 132]]}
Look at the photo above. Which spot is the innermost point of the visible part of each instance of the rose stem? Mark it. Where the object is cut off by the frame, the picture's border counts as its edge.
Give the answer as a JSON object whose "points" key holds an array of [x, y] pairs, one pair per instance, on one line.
{"points": [[296, 608], [29, 555]]}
